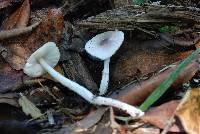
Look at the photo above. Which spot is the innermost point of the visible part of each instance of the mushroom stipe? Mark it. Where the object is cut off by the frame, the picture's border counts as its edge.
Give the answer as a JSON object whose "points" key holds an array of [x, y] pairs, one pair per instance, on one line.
{"points": [[39, 60], [103, 46]]}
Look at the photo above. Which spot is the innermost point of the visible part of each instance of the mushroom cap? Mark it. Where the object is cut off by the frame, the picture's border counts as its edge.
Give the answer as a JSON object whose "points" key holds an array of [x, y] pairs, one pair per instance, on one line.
{"points": [[104, 45], [49, 52]]}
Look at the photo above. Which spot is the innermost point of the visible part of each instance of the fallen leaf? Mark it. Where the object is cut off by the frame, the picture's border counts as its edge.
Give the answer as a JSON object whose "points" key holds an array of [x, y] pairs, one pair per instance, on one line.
{"points": [[136, 93], [50, 29], [9, 98], [90, 120], [166, 84], [137, 63], [9, 79], [189, 111], [29, 108], [145, 131], [18, 19], [158, 116]]}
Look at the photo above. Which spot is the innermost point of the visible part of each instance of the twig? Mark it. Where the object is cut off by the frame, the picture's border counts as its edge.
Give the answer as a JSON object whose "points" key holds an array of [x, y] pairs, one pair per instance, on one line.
{"points": [[49, 92], [16, 32]]}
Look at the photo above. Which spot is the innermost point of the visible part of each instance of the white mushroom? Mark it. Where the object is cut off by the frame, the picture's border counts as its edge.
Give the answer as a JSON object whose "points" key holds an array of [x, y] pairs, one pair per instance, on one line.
{"points": [[47, 57], [103, 46]]}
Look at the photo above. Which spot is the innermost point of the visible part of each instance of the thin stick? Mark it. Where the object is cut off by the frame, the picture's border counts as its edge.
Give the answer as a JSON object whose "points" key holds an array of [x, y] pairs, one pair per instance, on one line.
{"points": [[16, 32]]}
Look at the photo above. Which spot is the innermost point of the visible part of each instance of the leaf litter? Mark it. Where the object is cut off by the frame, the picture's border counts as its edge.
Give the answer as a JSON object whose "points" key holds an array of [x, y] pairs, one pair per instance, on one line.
{"points": [[22, 35]]}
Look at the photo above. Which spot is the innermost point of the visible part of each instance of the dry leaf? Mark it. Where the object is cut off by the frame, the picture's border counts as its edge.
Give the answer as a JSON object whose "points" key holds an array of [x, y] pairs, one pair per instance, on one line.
{"points": [[90, 120], [146, 130], [9, 78], [50, 29], [189, 111], [18, 19], [139, 63], [29, 108], [9, 98], [136, 93], [158, 116]]}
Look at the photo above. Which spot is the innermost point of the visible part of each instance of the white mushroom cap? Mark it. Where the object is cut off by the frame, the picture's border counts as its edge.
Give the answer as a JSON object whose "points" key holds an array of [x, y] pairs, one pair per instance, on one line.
{"points": [[104, 45], [48, 52]]}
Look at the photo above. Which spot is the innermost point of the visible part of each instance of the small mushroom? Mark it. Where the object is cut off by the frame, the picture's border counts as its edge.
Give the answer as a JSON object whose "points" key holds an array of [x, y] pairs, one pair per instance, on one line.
{"points": [[103, 46], [46, 57]]}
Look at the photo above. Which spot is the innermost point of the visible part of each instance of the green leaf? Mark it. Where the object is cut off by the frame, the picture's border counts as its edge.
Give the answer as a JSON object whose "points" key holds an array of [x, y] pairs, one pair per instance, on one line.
{"points": [[162, 88]]}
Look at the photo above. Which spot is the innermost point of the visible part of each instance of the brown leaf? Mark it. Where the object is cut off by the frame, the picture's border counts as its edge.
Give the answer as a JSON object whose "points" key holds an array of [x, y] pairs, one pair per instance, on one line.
{"points": [[134, 94], [90, 120], [135, 63], [19, 18], [10, 79], [146, 130], [158, 116], [50, 29], [189, 111]]}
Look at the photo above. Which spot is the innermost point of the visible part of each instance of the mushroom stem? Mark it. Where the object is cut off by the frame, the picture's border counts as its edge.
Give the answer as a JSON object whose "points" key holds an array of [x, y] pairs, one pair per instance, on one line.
{"points": [[80, 90], [105, 78], [87, 95]]}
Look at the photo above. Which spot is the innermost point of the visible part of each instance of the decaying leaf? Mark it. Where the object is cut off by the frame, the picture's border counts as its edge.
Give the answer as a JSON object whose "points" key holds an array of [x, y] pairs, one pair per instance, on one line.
{"points": [[9, 79], [158, 116], [146, 130], [136, 63], [50, 29], [19, 19], [91, 119], [29, 108], [136, 93], [9, 98], [189, 111]]}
